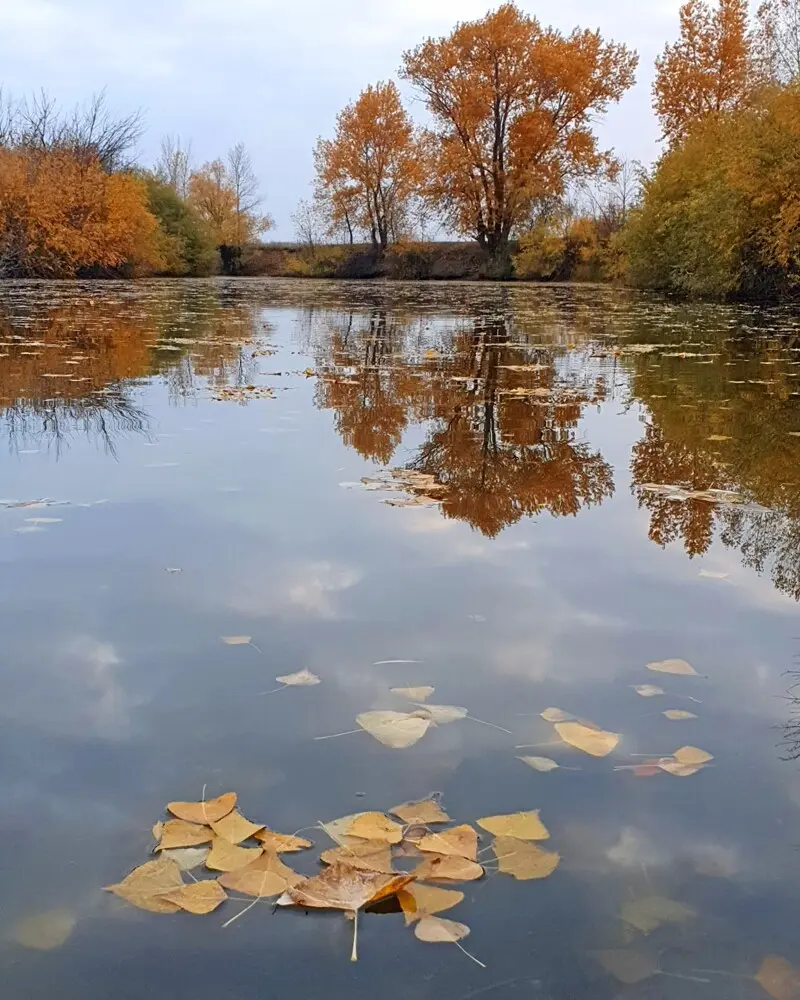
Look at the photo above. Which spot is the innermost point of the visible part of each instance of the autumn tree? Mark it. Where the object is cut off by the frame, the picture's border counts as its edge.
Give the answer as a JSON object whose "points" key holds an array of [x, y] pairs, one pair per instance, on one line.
{"points": [[776, 40], [371, 169], [707, 70], [512, 107]]}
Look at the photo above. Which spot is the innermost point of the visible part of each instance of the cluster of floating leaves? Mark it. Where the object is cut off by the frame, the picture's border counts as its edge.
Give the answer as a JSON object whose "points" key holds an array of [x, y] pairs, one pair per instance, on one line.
{"points": [[242, 393], [420, 487], [679, 494]]}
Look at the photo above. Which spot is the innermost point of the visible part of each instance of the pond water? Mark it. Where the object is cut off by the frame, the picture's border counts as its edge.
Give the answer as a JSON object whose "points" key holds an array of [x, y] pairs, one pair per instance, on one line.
{"points": [[197, 452]]}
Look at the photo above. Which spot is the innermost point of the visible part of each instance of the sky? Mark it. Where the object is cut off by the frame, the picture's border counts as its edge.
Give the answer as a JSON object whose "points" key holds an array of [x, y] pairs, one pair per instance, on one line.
{"points": [[275, 73]]}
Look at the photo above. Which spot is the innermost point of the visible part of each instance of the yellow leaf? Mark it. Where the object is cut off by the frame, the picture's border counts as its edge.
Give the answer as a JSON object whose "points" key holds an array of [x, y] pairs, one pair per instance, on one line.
{"points": [[556, 715], [376, 826], [158, 830], [415, 694], [595, 742], [650, 912], [692, 756], [438, 930], [442, 714], [281, 842], [677, 769], [524, 860], [236, 640], [647, 690], [198, 897], [203, 812], [459, 841], [679, 667], [338, 830], [447, 868], [303, 678], [187, 858], [521, 825], [369, 856], [397, 730], [235, 828], [342, 887], [678, 713], [227, 857], [146, 885], [425, 811], [179, 833], [539, 763], [627, 965], [45, 931], [266, 876], [418, 901], [779, 978]]}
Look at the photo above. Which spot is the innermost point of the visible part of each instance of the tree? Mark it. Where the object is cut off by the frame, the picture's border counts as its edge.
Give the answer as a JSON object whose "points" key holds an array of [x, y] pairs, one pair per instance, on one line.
{"points": [[776, 40], [708, 70], [309, 225], [512, 105], [371, 169], [246, 199], [189, 247], [174, 164]]}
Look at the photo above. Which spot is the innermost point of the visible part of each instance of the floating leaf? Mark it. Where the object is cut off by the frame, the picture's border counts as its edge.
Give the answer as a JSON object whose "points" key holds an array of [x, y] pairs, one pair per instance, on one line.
{"points": [[419, 901], [281, 842], [343, 887], [679, 667], [303, 678], [442, 714], [595, 742], [45, 931], [556, 715], [678, 713], [459, 841], [650, 912], [415, 694], [198, 897], [266, 876], [447, 868], [779, 978], [521, 825], [235, 828], [146, 886], [539, 763], [236, 640], [338, 830], [227, 857], [647, 690], [524, 860], [203, 812], [438, 930], [425, 811], [187, 858], [179, 833], [692, 755], [397, 730], [158, 830], [677, 769], [369, 856], [376, 826], [627, 965]]}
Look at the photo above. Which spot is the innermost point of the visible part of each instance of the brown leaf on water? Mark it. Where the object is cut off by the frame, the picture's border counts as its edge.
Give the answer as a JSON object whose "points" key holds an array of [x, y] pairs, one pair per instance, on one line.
{"points": [[442, 714], [438, 930], [647, 690], [676, 714], [543, 764], [397, 730], [198, 897], [303, 678], [779, 978], [524, 860], [227, 857], [650, 912], [556, 715], [369, 856], [426, 811], [179, 833], [158, 830], [692, 756], [236, 640], [266, 876], [375, 826], [203, 812], [418, 901], [235, 828], [647, 769], [343, 887], [447, 868], [338, 830], [44, 931], [595, 742], [521, 825], [679, 667], [415, 694], [459, 841], [187, 858], [280, 843], [627, 965], [678, 770], [146, 886]]}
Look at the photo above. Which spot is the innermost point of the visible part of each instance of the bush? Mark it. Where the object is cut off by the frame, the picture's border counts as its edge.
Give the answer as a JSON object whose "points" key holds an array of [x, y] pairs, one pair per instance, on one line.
{"points": [[188, 244]]}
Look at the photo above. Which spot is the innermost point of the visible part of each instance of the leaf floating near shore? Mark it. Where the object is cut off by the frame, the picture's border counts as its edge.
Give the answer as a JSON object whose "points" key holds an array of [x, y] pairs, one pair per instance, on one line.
{"points": [[556, 715], [596, 742], [459, 841], [146, 886], [204, 812], [524, 860], [303, 678], [647, 690], [415, 694], [678, 667], [676, 714], [426, 811], [521, 826], [398, 730], [543, 764], [779, 978]]}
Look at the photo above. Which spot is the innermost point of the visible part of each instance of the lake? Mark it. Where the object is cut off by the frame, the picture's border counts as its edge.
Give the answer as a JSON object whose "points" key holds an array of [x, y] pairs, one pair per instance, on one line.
{"points": [[519, 496]]}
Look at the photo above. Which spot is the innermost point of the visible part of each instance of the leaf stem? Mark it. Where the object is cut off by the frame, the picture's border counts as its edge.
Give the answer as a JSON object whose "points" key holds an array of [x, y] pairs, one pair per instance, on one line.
{"points": [[349, 732], [461, 948], [483, 722], [354, 952]]}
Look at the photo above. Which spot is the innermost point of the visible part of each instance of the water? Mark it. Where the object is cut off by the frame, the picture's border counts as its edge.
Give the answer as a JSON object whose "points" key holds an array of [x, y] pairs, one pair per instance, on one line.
{"points": [[549, 575]]}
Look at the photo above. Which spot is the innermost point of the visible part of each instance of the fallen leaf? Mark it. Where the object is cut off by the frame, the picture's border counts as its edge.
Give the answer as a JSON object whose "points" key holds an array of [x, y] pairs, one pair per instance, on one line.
{"points": [[397, 730], [459, 841], [236, 640], [369, 856], [419, 901], [198, 897], [375, 826], [266, 876], [158, 830], [438, 930], [595, 742], [647, 690], [627, 965], [679, 667], [677, 769], [343, 887], [146, 885], [303, 678], [179, 833], [779, 978], [539, 763], [227, 857], [556, 715], [650, 912], [521, 825], [425, 811], [447, 868], [281, 842], [442, 714], [415, 694], [692, 755], [203, 812], [524, 860], [45, 931], [678, 713], [187, 858], [235, 828]]}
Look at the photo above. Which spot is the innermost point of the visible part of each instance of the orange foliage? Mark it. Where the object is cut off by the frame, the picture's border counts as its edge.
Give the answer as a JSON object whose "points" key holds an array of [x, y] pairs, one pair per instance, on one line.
{"points": [[707, 70], [513, 105], [372, 167], [61, 214]]}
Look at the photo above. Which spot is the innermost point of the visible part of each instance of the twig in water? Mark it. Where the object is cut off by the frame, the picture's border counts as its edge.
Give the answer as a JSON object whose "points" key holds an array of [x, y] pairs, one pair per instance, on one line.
{"points": [[354, 952], [484, 723], [475, 960], [333, 736]]}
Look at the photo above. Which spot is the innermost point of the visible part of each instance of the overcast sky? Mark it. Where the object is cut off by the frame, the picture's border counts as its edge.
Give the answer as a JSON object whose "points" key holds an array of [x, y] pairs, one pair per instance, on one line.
{"points": [[274, 73]]}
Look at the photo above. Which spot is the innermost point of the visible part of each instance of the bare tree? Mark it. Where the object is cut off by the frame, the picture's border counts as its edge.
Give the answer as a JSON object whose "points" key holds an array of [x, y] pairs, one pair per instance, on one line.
{"points": [[174, 164], [776, 40], [309, 224], [245, 187], [610, 200]]}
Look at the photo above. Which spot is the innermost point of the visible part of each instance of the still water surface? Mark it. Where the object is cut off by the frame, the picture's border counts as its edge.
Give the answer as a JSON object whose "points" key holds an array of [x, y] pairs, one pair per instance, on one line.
{"points": [[550, 574]]}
